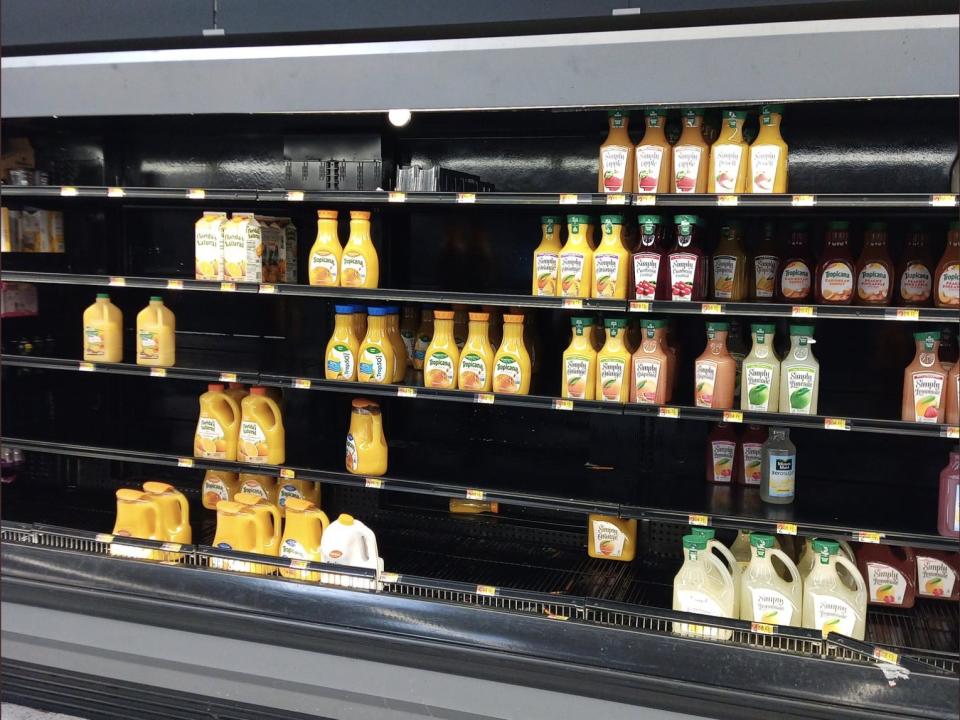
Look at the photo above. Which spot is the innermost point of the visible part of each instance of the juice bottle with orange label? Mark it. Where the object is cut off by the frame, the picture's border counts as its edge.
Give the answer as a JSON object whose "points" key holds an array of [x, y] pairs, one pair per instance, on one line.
{"points": [[511, 364], [218, 485], [218, 425], [835, 279], [915, 271], [343, 348], [611, 273], [616, 156], [728, 162], [875, 268], [366, 452], [767, 168], [576, 259], [795, 278], [261, 430], [613, 361], [359, 264], [579, 362], [924, 381], [442, 358], [653, 155], [324, 261], [376, 351], [399, 348], [611, 538], [691, 155], [946, 281], [650, 375], [103, 331], [156, 334], [715, 371], [476, 359], [545, 258], [729, 271]]}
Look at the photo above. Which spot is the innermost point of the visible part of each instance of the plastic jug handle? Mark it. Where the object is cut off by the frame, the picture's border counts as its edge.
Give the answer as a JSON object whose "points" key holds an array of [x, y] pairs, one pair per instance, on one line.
{"points": [[324, 520], [155, 521], [724, 571], [789, 564], [234, 409], [275, 514], [369, 541], [275, 411], [734, 566], [184, 510], [854, 573]]}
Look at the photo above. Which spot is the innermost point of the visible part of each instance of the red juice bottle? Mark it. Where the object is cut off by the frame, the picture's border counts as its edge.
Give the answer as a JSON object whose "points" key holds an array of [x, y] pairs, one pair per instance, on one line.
{"points": [[687, 263]]}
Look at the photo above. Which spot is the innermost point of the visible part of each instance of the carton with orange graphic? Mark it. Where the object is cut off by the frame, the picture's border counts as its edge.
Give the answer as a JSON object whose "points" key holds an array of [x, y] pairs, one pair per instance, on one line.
{"points": [[208, 245], [242, 249]]}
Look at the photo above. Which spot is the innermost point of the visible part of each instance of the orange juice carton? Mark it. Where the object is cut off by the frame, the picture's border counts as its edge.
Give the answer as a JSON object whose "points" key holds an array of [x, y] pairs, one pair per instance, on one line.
{"points": [[57, 244], [274, 240], [290, 248], [242, 249], [9, 230], [34, 230], [208, 245]]}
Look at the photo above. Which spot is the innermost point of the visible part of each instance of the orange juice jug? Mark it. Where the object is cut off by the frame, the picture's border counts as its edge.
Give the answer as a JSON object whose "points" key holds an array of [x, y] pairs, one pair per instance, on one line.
{"points": [[767, 168], [511, 364], [264, 486], [349, 542], [174, 513], [476, 359], [261, 430], [103, 331], [239, 528], [218, 425], [399, 347], [728, 162], [156, 334], [290, 489], [237, 391], [269, 515], [137, 517], [343, 348], [423, 337], [302, 533], [611, 272], [442, 358], [324, 261], [376, 351], [580, 362], [218, 485], [359, 265], [691, 155], [613, 382], [576, 259], [611, 538], [653, 155], [616, 156], [366, 446], [545, 258]]}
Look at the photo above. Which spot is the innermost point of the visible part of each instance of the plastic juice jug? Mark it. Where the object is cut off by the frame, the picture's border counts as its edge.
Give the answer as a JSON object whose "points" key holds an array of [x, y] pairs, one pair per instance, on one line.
{"points": [[218, 485], [687, 263], [261, 430], [703, 586], [765, 266], [800, 374], [651, 272], [442, 358], [795, 279], [580, 362], [937, 573], [511, 364], [808, 558], [359, 315], [302, 533], [924, 381], [473, 507], [765, 596], [349, 542], [103, 331], [650, 374], [733, 566], [237, 391], [269, 515], [874, 270], [324, 261], [174, 512], [138, 516], [691, 155], [343, 347], [760, 385], [730, 265], [767, 169], [408, 331], [778, 470], [290, 489], [728, 161], [617, 156], [750, 452], [156, 334], [740, 549], [576, 259], [654, 156], [377, 355], [359, 264], [835, 276], [829, 603], [715, 371], [613, 361], [611, 271], [915, 271], [953, 395], [948, 514], [399, 349], [366, 444], [611, 538], [946, 280], [264, 486], [239, 528], [890, 573], [217, 426], [722, 462], [476, 359]]}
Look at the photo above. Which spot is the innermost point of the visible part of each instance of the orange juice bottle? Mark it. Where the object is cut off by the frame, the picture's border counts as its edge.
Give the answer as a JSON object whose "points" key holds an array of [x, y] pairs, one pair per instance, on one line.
{"points": [[442, 358], [302, 532], [366, 444], [511, 364], [611, 274], [580, 362], [359, 265], [399, 348], [377, 355], [261, 430], [476, 359], [728, 162], [218, 425], [264, 486], [237, 391], [612, 538], [267, 513], [613, 383], [240, 529], [174, 512], [324, 262], [343, 348], [218, 485], [767, 168], [576, 259], [545, 259], [156, 334], [103, 331]]}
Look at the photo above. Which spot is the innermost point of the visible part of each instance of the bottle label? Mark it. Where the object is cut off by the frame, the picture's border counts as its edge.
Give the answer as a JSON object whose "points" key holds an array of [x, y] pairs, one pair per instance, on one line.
{"points": [[765, 275], [726, 167], [801, 386], [649, 159], [694, 601], [546, 272], [93, 345], [795, 280], [507, 375], [473, 372], [340, 363], [294, 550], [752, 463], [323, 268], [606, 274], [611, 374], [759, 379], [683, 269], [438, 371], [764, 160], [613, 160], [783, 474], [607, 539], [576, 369], [723, 453], [252, 446], [887, 585], [934, 577], [354, 269], [724, 272], [686, 167], [771, 606], [646, 377], [705, 376], [288, 491], [409, 341], [948, 289], [420, 351], [148, 345], [927, 391], [217, 488], [646, 271], [252, 487], [372, 366], [873, 284], [571, 273], [210, 441], [915, 283], [831, 614], [836, 284], [352, 457]]}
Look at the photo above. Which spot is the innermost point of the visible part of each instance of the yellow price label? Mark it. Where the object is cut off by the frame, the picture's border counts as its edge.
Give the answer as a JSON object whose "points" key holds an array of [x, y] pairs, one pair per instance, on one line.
{"points": [[68, 191], [396, 197], [174, 284], [637, 306], [158, 372], [486, 590], [668, 412], [185, 462], [103, 538], [572, 304], [117, 282], [116, 192], [711, 308], [886, 655], [484, 398], [728, 200], [295, 195], [907, 314], [645, 199], [476, 494], [196, 194], [288, 473], [228, 377], [786, 529], [951, 431], [803, 311], [868, 537], [763, 628], [702, 520], [563, 404], [389, 577], [406, 392], [943, 200], [732, 416], [835, 424], [267, 289], [228, 287], [299, 564], [86, 367], [373, 483], [554, 616], [466, 198], [569, 199], [803, 200], [302, 383], [171, 547], [617, 199]]}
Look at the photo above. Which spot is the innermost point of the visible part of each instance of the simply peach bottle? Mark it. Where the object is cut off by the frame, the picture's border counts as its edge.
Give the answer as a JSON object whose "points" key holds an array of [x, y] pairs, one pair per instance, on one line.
{"points": [[728, 161], [767, 168]]}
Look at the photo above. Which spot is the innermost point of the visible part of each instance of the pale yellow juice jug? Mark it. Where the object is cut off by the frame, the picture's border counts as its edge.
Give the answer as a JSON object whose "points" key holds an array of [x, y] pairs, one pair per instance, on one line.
{"points": [[156, 334], [830, 602], [103, 331], [703, 586], [302, 532], [262, 439], [765, 597], [733, 565]]}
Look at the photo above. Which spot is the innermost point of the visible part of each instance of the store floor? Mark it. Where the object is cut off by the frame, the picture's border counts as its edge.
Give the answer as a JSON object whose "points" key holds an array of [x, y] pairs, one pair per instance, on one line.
{"points": [[8, 711]]}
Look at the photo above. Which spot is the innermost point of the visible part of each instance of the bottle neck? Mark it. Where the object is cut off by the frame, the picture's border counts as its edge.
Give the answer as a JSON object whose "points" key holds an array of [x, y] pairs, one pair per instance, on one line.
{"points": [[344, 324], [618, 130], [718, 343], [478, 328], [513, 332], [614, 239], [653, 133], [692, 131], [732, 132], [769, 129], [326, 226], [359, 230], [442, 329], [577, 235], [550, 235], [876, 241], [376, 325], [614, 339]]}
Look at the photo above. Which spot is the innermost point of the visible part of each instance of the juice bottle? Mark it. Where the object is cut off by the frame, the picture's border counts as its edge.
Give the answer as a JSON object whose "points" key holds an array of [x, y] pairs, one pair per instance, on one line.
{"points": [[174, 513], [722, 465], [741, 550], [268, 514], [546, 258], [915, 271], [795, 279], [738, 351], [349, 542], [834, 279], [611, 538], [359, 315], [946, 280], [263, 486], [218, 485], [778, 469], [761, 372], [408, 331], [377, 355], [424, 336], [611, 271], [261, 430], [923, 381], [750, 455], [691, 155], [808, 558], [103, 331], [442, 358], [728, 162], [511, 364], [651, 273], [687, 264], [831, 604], [237, 391], [343, 348], [218, 425], [767, 169], [613, 383], [476, 360], [703, 586], [653, 156], [952, 413], [325, 255], [302, 532], [239, 528], [948, 515], [292, 489], [359, 264], [473, 507], [616, 156], [576, 259], [765, 267], [800, 374], [875, 277], [890, 573], [715, 371], [156, 335], [650, 376], [937, 572], [366, 445], [730, 264], [580, 362], [721, 551], [766, 597], [138, 517], [460, 325], [399, 349]]}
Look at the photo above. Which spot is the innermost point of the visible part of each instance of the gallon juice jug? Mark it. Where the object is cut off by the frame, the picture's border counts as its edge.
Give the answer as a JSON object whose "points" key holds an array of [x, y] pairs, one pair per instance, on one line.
{"points": [[261, 430], [890, 572], [174, 512], [324, 261], [832, 603], [511, 365], [138, 516], [218, 426], [366, 445], [377, 356], [290, 489], [240, 529], [103, 331], [733, 566], [703, 586], [359, 264], [545, 258], [237, 391], [156, 334], [937, 572], [302, 532], [269, 515], [218, 485], [343, 347], [611, 538], [580, 362], [808, 558], [765, 596], [442, 358], [349, 542], [476, 359]]}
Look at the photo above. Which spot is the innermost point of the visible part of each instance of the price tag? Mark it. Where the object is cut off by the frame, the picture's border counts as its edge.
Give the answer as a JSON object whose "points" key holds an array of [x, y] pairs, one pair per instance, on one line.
{"points": [[907, 314], [867, 537], [116, 192], [373, 483], [389, 577], [484, 398], [645, 199], [476, 494], [668, 412], [298, 564], [617, 199], [104, 538], [228, 377], [396, 197], [267, 289], [763, 628], [486, 590], [943, 200], [637, 306], [228, 287], [835, 424], [711, 308], [185, 462], [786, 529], [174, 284], [803, 200], [886, 655], [196, 194], [68, 191], [563, 404], [803, 311], [728, 200], [406, 392], [288, 473], [171, 547], [568, 199], [466, 198], [572, 304], [158, 372], [86, 367], [950, 431], [732, 416], [295, 195], [554, 616], [302, 383], [703, 520], [117, 282]]}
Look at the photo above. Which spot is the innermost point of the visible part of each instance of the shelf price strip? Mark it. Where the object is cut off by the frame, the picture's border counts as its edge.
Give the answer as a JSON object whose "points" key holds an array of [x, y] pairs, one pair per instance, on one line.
{"points": [[617, 199], [466, 198], [174, 284], [302, 383], [486, 590], [295, 195], [572, 304], [407, 392], [373, 483], [763, 628], [863, 536], [645, 199], [569, 199], [950, 431], [637, 306], [943, 200], [835, 424], [68, 191], [668, 412], [484, 398], [158, 372], [563, 404], [117, 281], [116, 192], [228, 287], [886, 656], [86, 367], [196, 194], [288, 473], [472, 494], [732, 416], [904, 314], [803, 311], [228, 377], [786, 529], [396, 197], [700, 520], [185, 462], [803, 200], [267, 289], [711, 309], [728, 200]]}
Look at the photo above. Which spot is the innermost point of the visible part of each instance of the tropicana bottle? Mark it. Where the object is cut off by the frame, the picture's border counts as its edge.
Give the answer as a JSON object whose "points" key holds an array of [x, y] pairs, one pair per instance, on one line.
{"points": [[377, 355], [343, 348], [399, 348], [616, 156], [511, 365], [476, 359], [442, 359], [579, 362], [760, 387], [545, 257], [359, 264], [324, 261], [576, 259], [728, 162]]}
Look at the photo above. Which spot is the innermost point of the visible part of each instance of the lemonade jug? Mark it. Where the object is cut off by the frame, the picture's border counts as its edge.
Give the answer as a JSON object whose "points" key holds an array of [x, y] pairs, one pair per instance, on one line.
{"points": [[830, 604], [703, 586], [218, 485], [359, 264], [103, 331], [239, 529], [511, 364], [366, 445], [138, 516], [218, 425], [766, 597], [324, 261], [349, 542], [377, 356], [268, 515], [263, 486], [715, 546], [174, 512], [344, 346], [476, 359], [302, 532], [261, 430], [288, 489], [156, 334], [442, 358]]}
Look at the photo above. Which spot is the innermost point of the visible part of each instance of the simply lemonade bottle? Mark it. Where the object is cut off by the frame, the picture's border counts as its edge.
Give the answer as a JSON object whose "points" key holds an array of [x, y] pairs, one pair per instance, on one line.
{"points": [[611, 273], [476, 359], [613, 383], [830, 603], [766, 597], [800, 374], [545, 258], [580, 362], [760, 386], [703, 586]]}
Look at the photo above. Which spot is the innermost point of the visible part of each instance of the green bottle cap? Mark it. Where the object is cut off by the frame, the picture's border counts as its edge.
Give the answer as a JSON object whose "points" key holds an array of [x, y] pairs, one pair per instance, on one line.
{"points": [[649, 220], [930, 335], [838, 225], [769, 328], [550, 219], [718, 326], [581, 321], [615, 323], [830, 547], [615, 219], [103, 296], [761, 540], [156, 298], [694, 542], [801, 330], [877, 226], [767, 109], [681, 219], [705, 532], [654, 323], [735, 114], [578, 219]]}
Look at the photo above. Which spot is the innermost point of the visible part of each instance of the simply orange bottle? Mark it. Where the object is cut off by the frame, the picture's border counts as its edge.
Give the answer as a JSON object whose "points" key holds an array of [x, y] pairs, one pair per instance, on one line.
{"points": [[262, 439], [611, 270], [475, 371], [103, 331], [546, 258], [359, 264], [654, 155], [728, 161], [218, 425], [613, 363], [576, 259], [377, 356], [442, 358], [616, 156], [156, 334], [580, 362], [366, 445], [691, 155], [324, 261], [511, 364], [767, 168], [611, 538]]}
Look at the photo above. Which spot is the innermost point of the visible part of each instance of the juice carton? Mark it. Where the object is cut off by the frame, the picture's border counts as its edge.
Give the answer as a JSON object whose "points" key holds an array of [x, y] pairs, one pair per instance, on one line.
{"points": [[208, 245], [290, 250], [34, 230], [272, 237], [242, 249], [56, 231]]}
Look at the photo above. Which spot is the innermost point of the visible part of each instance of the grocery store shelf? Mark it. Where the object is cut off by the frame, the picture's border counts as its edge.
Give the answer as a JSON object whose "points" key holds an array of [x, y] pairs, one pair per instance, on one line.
{"points": [[798, 312]]}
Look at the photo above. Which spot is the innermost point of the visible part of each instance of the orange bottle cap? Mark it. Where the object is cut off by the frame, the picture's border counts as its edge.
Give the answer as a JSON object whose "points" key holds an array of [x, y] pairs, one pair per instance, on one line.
{"points": [[513, 319], [298, 505], [157, 488], [258, 390], [327, 214], [443, 314], [364, 403], [359, 214], [130, 495], [215, 387], [479, 316]]}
